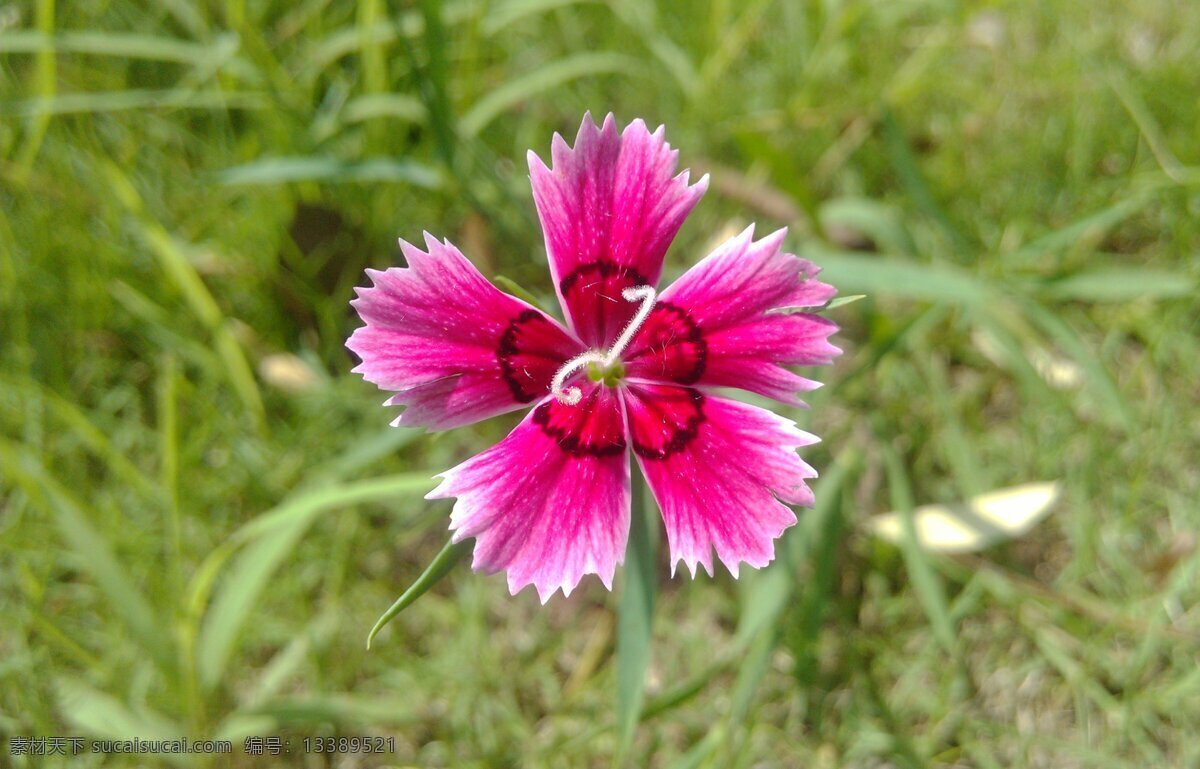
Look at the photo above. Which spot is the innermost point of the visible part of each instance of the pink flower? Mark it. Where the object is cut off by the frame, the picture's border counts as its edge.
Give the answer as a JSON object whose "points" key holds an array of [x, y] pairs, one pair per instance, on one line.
{"points": [[633, 369]]}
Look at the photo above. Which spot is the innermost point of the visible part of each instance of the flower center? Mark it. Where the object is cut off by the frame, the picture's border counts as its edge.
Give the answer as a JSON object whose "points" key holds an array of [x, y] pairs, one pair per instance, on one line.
{"points": [[604, 367], [611, 375]]}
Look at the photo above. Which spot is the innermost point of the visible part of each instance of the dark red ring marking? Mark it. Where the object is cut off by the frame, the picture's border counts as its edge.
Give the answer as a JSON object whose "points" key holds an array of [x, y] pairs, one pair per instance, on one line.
{"points": [[683, 435], [606, 446], [691, 343], [605, 269], [507, 349]]}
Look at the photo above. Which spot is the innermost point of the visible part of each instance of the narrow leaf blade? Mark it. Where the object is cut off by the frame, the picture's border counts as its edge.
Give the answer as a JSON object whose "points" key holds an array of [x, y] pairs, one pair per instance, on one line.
{"points": [[268, 540], [634, 620], [438, 568]]}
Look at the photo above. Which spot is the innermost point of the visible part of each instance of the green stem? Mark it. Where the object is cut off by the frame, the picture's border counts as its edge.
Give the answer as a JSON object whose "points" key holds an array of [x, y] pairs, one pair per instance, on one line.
{"points": [[635, 615]]}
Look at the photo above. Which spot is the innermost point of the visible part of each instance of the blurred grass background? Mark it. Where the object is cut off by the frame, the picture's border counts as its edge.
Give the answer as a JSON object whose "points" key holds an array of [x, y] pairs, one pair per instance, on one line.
{"points": [[203, 512]]}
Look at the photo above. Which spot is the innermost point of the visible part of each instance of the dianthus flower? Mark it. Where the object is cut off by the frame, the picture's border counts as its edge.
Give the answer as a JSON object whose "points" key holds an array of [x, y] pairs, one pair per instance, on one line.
{"points": [[633, 369]]}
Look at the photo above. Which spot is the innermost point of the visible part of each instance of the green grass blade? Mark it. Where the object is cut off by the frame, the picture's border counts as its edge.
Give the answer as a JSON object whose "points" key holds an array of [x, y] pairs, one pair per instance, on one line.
{"points": [[997, 322], [822, 541], [312, 502], [432, 77], [363, 452], [270, 538], [925, 582], [641, 20], [525, 87], [45, 83], [635, 618], [769, 592], [348, 40], [109, 43], [887, 276], [1089, 228], [174, 262], [307, 712], [102, 715], [1098, 379], [882, 223], [71, 516], [500, 15], [394, 106], [842, 301], [123, 101], [909, 172], [701, 751], [439, 567], [510, 286], [77, 422], [1120, 284], [283, 170], [753, 669]]}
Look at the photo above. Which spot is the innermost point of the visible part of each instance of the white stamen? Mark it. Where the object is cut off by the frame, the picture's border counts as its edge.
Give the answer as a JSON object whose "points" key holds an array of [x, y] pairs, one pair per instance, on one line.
{"points": [[572, 395], [645, 295]]}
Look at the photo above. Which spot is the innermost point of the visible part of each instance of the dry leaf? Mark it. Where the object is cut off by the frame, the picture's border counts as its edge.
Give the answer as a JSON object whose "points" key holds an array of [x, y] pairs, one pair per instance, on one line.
{"points": [[973, 525]]}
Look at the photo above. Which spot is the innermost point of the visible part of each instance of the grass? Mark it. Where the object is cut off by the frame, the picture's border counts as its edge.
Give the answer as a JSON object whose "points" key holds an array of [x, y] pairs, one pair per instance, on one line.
{"points": [[203, 512]]}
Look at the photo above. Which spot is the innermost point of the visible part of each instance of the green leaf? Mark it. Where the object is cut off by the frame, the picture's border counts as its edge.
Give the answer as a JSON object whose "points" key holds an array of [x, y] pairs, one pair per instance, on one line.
{"points": [[517, 290], [439, 567], [843, 300], [306, 505], [996, 322], [635, 619], [831, 304], [281, 170], [363, 452]]}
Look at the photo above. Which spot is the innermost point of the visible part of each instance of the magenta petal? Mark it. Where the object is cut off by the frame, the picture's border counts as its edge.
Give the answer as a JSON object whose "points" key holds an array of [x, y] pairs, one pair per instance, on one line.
{"points": [[724, 325], [453, 347], [609, 210], [721, 472], [549, 503]]}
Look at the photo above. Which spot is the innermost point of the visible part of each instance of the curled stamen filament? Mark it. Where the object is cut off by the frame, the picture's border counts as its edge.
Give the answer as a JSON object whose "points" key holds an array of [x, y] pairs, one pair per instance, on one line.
{"points": [[572, 395]]}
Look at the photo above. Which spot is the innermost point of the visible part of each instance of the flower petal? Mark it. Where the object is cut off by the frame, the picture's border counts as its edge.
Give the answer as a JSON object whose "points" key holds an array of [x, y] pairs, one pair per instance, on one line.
{"points": [[454, 347], [720, 471], [720, 323], [550, 502], [609, 210]]}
